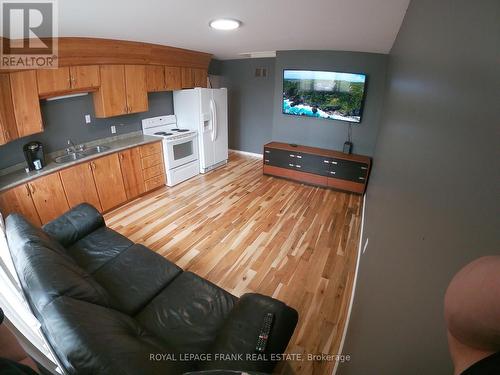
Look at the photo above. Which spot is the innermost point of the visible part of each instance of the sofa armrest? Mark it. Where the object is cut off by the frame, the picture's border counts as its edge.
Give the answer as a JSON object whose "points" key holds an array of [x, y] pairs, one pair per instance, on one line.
{"points": [[241, 329], [74, 224]]}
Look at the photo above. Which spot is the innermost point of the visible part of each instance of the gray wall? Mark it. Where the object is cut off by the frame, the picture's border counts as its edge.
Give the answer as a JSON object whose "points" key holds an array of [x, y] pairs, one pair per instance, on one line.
{"points": [[250, 102], [64, 119], [255, 116], [331, 134], [432, 202]]}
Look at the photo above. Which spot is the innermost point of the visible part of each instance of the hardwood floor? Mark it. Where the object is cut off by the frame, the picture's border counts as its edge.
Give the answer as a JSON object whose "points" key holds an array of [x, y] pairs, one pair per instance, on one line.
{"points": [[251, 233]]}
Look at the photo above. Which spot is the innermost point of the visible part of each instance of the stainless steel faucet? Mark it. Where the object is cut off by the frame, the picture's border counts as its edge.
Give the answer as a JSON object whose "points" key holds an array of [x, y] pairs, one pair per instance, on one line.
{"points": [[72, 147]]}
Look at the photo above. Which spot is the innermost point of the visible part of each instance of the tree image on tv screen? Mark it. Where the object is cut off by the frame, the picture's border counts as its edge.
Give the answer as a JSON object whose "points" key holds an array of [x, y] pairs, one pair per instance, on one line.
{"points": [[329, 95]]}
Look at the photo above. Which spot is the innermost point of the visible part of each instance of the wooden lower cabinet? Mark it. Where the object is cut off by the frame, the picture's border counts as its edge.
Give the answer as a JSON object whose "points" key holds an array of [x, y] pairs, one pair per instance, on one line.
{"points": [[109, 181], [105, 183], [48, 196], [131, 167], [79, 185], [19, 200]]}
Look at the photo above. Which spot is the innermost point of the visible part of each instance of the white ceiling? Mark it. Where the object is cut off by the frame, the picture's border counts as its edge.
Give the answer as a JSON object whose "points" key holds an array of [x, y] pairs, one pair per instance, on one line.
{"points": [[268, 25]]}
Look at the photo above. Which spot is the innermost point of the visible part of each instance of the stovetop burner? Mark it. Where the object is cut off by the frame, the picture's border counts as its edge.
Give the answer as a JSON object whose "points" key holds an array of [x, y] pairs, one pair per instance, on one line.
{"points": [[164, 133]]}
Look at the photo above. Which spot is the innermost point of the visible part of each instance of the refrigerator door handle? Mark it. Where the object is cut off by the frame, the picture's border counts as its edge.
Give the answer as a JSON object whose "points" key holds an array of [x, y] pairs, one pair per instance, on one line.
{"points": [[212, 119], [215, 120]]}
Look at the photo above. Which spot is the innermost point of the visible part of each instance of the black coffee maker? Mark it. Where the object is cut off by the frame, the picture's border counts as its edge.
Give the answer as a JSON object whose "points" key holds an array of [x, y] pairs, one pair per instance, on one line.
{"points": [[33, 153]]}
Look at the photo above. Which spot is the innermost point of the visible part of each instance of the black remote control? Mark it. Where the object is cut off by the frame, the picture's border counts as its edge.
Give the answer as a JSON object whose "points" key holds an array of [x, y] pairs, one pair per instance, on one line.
{"points": [[265, 330]]}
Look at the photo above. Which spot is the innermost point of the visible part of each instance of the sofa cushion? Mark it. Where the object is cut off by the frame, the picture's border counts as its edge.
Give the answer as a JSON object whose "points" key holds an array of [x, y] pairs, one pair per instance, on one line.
{"points": [[74, 224], [45, 271], [188, 313], [91, 339], [241, 330], [134, 277], [98, 248]]}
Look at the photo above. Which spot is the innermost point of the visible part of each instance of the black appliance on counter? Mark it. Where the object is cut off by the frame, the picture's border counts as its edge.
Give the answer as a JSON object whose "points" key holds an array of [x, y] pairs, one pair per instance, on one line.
{"points": [[33, 153]]}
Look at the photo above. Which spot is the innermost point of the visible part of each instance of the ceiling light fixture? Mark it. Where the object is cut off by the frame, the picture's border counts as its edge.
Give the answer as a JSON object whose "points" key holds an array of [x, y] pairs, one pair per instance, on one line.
{"points": [[225, 24]]}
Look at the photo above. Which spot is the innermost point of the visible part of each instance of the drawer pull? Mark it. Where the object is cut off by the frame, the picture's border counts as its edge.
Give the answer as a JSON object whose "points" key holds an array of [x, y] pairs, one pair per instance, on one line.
{"points": [[266, 160], [298, 166], [334, 162], [326, 161], [364, 168], [332, 172], [361, 178], [299, 157], [292, 155], [290, 165], [267, 151]]}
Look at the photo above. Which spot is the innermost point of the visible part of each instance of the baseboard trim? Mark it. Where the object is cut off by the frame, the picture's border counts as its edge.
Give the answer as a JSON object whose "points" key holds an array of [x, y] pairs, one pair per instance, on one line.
{"points": [[349, 311], [246, 153]]}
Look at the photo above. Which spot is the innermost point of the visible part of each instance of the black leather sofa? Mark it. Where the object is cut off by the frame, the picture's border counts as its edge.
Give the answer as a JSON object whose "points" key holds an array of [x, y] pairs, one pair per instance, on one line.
{"points": [[109, 306]]}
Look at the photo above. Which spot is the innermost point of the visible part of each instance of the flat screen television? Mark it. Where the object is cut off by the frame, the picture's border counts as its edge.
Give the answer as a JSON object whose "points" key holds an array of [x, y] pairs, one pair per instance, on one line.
{"points": [[328, 95]]}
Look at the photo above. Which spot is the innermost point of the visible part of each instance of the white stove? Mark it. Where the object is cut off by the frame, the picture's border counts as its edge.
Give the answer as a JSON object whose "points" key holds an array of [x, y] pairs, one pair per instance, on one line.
{"points": [[180, 147]]}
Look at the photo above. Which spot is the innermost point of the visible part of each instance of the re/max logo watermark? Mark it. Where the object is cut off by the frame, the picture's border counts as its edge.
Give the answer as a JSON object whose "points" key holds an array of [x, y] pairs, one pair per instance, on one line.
{"points": [[29, 32]]}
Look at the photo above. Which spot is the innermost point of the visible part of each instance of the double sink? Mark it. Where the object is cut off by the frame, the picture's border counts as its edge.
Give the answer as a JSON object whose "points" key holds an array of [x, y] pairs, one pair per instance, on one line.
{"points": [[72, 156]]}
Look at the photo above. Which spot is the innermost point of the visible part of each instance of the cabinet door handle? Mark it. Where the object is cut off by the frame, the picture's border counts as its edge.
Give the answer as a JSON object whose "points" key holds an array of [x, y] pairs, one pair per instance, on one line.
{"points": [[292, 155], [121, 156], [298, 166], [290, 165], [32, 188], [326, 161], [298, 157], [364, 168], [332, 172], [361, 178], [267, 151], [334, 162], [28, 190], [266, 160]]}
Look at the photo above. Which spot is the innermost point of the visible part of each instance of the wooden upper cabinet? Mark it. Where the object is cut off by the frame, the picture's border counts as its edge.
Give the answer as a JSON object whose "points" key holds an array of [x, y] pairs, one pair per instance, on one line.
{"points": [[187, 78], [85, 77], [200, 77], [53, 81], [24, 91], [173, 78], [67, 79], [19, 200], [155, 78], [132, 172], [135, 84], [122, 90], [78, 183], [48, 196], [8, 128], [111, 99], [109, 181]]}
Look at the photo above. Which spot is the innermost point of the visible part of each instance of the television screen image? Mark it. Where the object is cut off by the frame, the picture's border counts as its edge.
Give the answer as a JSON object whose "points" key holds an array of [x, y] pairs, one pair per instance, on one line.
{"points": [[328, 95]]}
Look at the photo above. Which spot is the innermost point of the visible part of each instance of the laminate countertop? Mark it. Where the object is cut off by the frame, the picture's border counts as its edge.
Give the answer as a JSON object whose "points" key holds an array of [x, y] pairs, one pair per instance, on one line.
{"points": [[115, 144]]}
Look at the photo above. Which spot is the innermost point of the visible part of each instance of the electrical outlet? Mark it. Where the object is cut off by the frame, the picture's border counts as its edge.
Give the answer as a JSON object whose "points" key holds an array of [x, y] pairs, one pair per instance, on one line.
{"points": [[87, 119], [113, 129]]}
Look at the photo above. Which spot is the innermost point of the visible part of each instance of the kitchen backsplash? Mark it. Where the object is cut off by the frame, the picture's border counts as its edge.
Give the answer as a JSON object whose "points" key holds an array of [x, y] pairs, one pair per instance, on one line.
{"points": [[65, 119]]}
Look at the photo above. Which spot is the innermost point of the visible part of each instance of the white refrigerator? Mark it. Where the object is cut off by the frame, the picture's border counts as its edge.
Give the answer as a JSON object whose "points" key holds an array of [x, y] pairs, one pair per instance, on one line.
{"points": [[205, 110]]}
